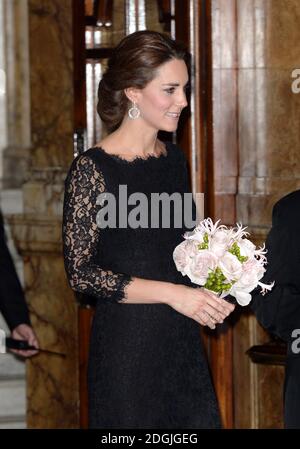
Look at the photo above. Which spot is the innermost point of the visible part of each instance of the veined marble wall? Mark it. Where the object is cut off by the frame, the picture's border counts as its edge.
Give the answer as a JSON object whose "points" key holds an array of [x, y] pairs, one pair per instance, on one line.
{"points": [[52, 381]]}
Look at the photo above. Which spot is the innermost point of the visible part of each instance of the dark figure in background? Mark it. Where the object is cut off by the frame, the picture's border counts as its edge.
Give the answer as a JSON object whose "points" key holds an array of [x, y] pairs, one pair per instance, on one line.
{"points": [[147, 366], [12, 301], [279, 310]]}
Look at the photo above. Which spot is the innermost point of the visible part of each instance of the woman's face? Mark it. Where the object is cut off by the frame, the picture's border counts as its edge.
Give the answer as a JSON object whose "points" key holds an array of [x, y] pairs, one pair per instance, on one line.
{"points": [[163, 99]]}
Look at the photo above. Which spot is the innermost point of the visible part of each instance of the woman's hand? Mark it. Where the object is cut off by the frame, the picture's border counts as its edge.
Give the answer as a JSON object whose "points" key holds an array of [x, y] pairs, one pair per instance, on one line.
{"points": [[204, 307]]}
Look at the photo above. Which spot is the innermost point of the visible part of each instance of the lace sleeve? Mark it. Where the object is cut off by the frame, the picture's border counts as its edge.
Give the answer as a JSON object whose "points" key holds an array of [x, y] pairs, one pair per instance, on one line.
{"points": [[81, 235]]}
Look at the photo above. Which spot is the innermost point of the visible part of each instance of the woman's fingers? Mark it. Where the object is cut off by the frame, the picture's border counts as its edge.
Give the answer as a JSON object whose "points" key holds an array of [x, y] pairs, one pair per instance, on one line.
{"points": [[213, 310], [206, 308], [205, 319], [224, 307], [217, 308], [214, 314]]}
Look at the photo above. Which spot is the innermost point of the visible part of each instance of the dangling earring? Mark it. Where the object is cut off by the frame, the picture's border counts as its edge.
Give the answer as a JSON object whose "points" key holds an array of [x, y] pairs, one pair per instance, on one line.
{"points": [[134, 112]]}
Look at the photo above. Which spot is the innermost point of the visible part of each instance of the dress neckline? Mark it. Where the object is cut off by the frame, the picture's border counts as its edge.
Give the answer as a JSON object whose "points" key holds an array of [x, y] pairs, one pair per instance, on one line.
{"points": [[137, 159]]}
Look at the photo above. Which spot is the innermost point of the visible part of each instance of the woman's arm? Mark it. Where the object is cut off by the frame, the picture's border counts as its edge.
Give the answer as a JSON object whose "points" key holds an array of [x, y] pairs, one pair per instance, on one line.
{"points": [[81, 238], [205, 308], [81, 234]]}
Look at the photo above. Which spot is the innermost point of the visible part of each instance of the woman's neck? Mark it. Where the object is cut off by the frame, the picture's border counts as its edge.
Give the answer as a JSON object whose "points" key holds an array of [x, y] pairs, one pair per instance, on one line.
{"points": [[134, 138]]}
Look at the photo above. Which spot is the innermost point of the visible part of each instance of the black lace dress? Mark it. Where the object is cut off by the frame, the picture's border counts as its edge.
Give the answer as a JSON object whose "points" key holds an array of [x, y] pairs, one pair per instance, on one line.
{"points": [[147, 367]]}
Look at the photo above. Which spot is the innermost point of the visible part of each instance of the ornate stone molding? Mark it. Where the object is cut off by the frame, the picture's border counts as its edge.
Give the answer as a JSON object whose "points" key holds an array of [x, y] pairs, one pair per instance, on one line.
{"points": [[36, 234]]}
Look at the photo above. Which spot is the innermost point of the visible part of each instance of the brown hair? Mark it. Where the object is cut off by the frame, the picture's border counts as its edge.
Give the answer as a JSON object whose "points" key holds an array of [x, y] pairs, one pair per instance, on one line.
{"points": [[133, 64]]}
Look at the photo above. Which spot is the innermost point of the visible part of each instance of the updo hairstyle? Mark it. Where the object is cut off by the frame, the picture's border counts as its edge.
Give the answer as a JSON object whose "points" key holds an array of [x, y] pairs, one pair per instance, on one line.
{"points": [[134, 63]]}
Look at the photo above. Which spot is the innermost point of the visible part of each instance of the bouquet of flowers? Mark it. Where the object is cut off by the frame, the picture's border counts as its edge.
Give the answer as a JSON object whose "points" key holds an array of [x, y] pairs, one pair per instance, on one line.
{"points": [[222, 260]]}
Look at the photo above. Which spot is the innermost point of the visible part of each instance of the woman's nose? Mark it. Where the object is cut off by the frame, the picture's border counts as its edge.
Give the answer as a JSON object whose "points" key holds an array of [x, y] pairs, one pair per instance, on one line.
{"points": [[182, 101]]}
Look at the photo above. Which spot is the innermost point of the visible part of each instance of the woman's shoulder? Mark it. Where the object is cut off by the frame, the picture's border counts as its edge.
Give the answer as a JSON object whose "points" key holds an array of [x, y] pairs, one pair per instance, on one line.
{"points": [[91, 157], [86, 165]]}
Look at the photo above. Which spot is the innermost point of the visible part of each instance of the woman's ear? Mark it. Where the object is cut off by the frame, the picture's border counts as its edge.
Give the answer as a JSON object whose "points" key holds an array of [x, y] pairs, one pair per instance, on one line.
{"points": [[132, 94]]}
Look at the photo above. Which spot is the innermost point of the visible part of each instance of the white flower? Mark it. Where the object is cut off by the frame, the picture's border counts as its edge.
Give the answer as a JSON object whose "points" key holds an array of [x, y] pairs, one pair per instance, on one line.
{"points": [[247, 281], [209, 227], [183, 253], [216, 241], [265, 287], [181, 257], [196, 235], [219, 242], [242, 297], [254, 265], [200, 265], [247, 248], [231, 267], [206, 226], [238, 232]]}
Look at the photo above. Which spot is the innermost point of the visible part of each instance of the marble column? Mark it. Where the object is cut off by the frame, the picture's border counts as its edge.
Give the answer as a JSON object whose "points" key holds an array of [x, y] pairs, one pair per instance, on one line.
{"points": [[17, 108], [52, 381]]}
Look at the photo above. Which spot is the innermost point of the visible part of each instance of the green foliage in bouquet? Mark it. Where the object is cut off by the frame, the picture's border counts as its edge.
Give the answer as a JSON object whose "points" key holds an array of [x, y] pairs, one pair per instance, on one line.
{"points": [[216, 281]]}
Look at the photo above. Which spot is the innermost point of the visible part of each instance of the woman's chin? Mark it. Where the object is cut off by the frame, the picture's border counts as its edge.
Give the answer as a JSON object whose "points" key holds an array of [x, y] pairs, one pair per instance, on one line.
{"points": [[169, 128]]}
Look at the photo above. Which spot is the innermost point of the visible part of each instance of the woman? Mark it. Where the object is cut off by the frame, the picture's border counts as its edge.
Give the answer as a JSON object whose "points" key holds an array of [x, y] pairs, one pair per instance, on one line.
{"points": [[147, 368]]}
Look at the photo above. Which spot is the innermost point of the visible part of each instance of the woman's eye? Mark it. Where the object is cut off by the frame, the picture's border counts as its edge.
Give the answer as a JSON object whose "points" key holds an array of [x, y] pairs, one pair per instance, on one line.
{"points": [[170, 90]]}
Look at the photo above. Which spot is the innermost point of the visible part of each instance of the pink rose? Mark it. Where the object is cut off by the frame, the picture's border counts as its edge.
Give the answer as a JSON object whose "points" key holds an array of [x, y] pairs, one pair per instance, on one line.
{"points": [[183, 253], [231, 267], [200, 265], [219, 242]]}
